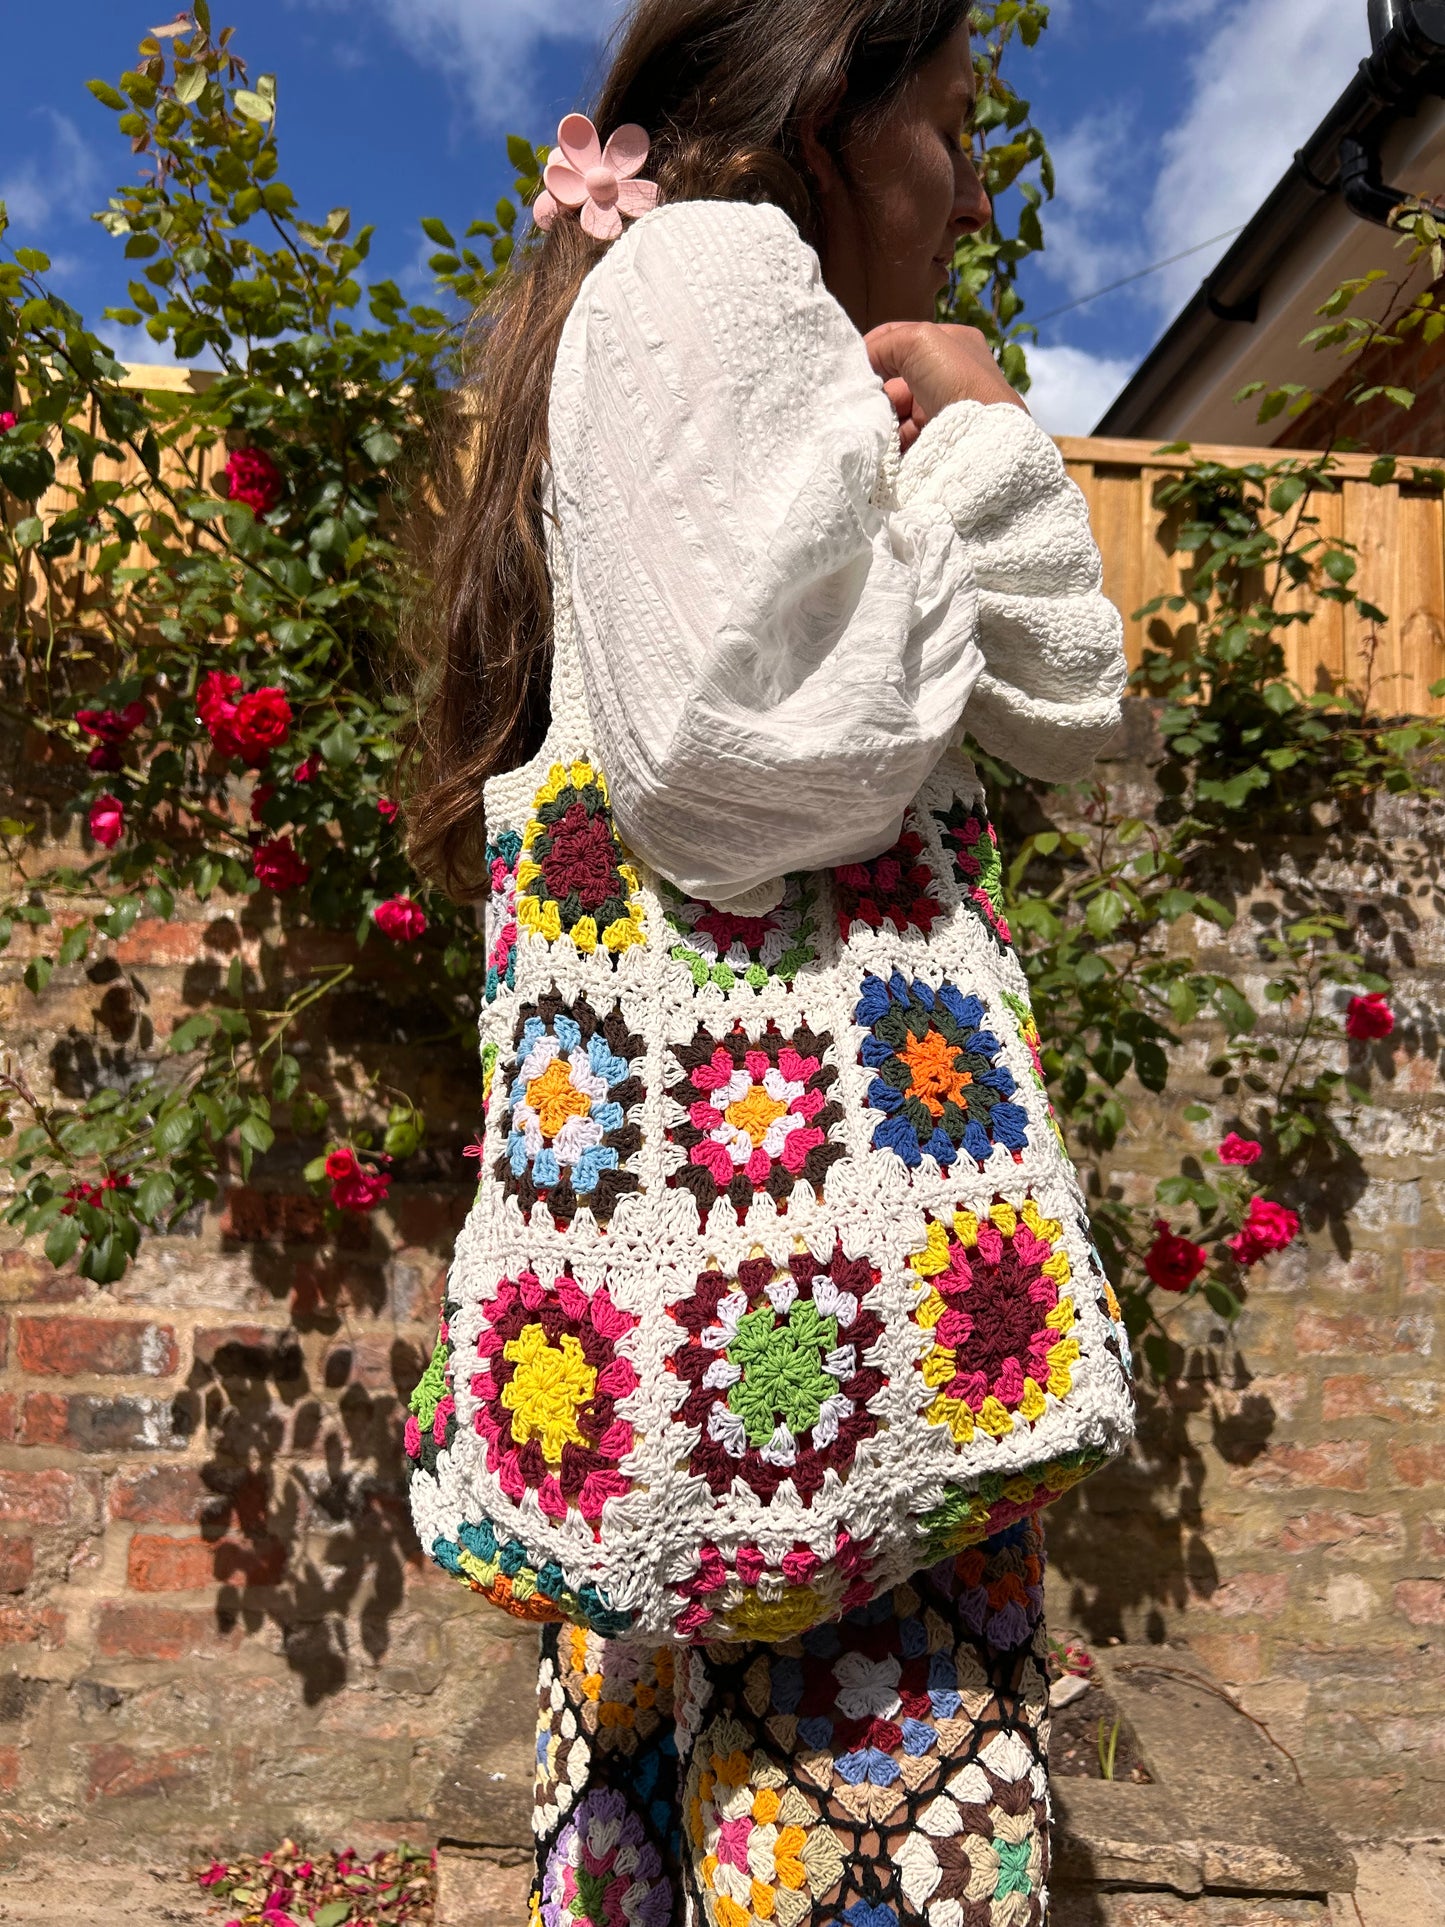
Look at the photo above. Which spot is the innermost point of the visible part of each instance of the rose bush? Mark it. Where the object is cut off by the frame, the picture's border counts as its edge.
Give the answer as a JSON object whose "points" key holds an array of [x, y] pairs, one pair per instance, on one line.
{"points": [[227, 724]]}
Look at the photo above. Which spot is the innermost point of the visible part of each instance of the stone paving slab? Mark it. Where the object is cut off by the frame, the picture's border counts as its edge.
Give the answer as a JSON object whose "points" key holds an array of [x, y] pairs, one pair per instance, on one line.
{"points": [[51, 1890], [1075, 1908], [476, 1890]]}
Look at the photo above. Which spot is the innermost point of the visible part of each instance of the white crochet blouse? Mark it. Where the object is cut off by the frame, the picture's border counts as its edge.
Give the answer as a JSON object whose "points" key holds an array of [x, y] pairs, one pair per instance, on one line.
{"points": [[781, 627]]}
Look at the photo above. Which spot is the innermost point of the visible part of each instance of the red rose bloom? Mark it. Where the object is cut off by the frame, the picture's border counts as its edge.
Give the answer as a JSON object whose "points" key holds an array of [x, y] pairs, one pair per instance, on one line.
{"points": [[400, 919], [7, 421], [261, 723], [216, 706], [1171, 1261], [260, 797], [353, 1187], [1369, 1018], [113, 729], [1240, 1150], [304, 772], [386, 808], [1268, 1227], [277, 865], [253, 478], [107, 820]]}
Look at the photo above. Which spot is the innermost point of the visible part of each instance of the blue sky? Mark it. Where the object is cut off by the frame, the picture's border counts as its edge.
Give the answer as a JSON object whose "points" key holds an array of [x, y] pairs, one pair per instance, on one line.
{"points": [[1169, 121]]}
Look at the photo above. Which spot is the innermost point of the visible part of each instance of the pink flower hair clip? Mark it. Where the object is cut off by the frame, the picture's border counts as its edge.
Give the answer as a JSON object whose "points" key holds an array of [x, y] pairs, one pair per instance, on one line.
{"points": [[601, 181]]}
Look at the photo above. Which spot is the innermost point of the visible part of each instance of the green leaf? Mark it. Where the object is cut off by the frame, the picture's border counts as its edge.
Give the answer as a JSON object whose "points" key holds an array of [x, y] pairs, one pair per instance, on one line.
{"points": [[256, 1132], [333, 1914], [381, 447], [174, 1129], [61, 1244], [1286, 492], [340, 747], [1105, 913], [252, 105], [107, 95], [1222, 1300], [437, 231], [75, 944], [155, 1195], [37, 974], [195, 1030], [190, 84]]}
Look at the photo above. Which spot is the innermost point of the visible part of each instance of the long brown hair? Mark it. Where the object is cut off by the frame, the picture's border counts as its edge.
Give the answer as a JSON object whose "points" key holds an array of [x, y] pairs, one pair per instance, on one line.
{"points": [[726, 89]]}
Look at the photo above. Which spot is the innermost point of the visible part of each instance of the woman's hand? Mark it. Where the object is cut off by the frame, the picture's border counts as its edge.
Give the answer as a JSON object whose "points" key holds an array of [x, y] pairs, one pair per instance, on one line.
{"points": [[925, 365]]}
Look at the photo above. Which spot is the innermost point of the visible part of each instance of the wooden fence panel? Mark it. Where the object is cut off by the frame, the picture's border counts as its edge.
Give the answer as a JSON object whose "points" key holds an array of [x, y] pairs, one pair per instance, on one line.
{"points": [[1399, 529]]}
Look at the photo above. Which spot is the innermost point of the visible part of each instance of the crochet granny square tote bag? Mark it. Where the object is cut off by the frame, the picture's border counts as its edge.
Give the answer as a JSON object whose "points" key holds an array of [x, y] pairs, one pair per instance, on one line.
{"points": [[778, 1285]]}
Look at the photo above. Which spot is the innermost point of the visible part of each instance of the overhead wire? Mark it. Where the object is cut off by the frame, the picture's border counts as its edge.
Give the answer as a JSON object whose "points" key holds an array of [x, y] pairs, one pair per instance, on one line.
{"points": [[1153, 268]]}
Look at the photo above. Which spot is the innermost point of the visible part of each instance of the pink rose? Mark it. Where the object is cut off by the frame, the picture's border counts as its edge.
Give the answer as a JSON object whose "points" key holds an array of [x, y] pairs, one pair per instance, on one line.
{"points": [[1172, 1262], [353, 1187], [1268, 1227], [261, 723], [216, 706], [7, 421], [253, 478], [277, 866], [1240, 1150], [386, 808], [1369, 1018], [400, 919], [107, 820], [304, 772]]}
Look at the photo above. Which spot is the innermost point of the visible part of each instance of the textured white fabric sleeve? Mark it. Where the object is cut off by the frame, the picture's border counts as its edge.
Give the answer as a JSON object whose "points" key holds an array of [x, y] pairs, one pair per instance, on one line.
{"points": [[773, 660], [1048, 700]]}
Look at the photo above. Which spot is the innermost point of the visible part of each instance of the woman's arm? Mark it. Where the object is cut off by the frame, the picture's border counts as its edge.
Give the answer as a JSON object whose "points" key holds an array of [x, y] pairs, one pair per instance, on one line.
{"points": [[1048, 699], [774, 659]]}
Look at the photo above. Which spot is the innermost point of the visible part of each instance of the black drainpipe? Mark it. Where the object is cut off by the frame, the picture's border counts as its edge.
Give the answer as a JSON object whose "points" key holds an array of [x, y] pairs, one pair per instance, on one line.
{"points": [[1406, 64], [1407, 41]]}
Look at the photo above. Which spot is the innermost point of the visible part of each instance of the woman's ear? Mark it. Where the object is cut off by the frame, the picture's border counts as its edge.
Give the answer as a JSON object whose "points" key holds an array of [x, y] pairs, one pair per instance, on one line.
{"points": [[820, 162]]}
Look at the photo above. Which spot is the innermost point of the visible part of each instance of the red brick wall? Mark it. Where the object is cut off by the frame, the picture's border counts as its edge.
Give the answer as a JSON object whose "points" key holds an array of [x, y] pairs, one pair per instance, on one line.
{"points": [[216, 1620], [220, 1628], [1379, 425]]}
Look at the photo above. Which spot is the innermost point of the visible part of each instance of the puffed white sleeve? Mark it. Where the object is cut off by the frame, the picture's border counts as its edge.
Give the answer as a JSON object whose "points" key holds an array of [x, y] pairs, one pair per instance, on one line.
{"points": [[1048, 700], [773, 660]]}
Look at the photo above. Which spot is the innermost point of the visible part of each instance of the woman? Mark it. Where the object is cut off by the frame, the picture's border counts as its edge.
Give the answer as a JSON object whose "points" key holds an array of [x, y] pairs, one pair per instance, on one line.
{"points": [[793, 540]]}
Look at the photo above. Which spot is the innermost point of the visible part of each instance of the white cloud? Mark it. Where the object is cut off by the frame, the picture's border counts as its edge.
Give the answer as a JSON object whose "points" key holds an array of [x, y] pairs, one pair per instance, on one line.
{"points": [[57, 185], [1170, 13], [1087, 245], [1072, 388], [135, 347], [489, 51], [1260, 84]]}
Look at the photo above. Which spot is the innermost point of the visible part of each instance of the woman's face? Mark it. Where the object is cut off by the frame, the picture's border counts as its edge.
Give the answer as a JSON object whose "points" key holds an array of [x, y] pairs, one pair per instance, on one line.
{"points": [[910, 190]]}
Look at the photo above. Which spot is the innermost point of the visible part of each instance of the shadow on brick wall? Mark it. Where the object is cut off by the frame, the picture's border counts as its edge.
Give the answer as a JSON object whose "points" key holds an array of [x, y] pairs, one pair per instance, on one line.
{"points": [[308, 1523]]}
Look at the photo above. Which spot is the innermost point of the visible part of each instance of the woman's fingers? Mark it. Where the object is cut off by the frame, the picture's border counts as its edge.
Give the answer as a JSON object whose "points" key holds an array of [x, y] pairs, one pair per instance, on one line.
{"points": [[888, 349], [939, 364], [901, 396]]}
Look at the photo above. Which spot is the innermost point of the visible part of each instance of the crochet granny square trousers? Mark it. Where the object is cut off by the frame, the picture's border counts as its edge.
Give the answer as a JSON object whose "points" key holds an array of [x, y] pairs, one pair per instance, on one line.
{"points": [[886, 1769]]}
